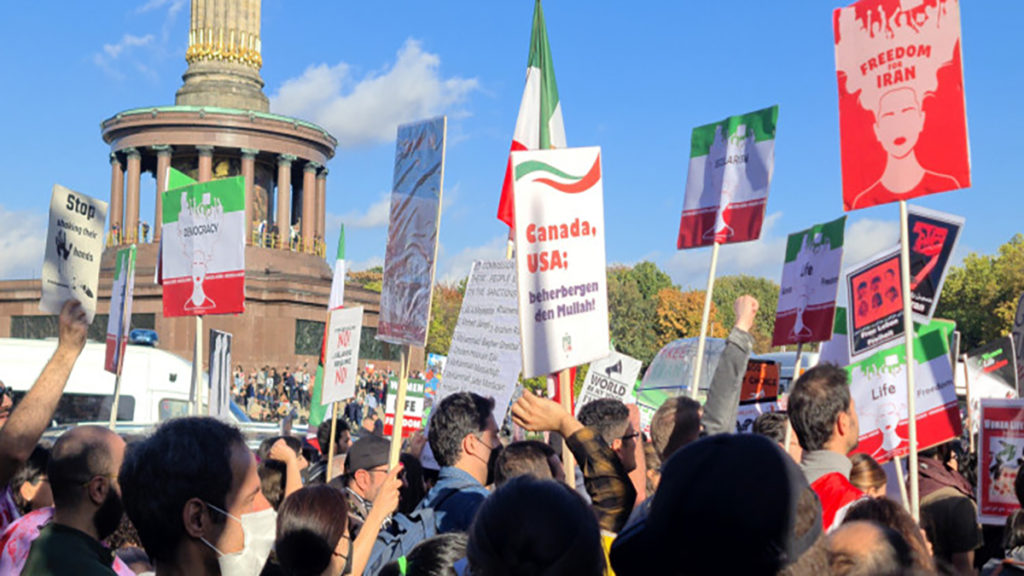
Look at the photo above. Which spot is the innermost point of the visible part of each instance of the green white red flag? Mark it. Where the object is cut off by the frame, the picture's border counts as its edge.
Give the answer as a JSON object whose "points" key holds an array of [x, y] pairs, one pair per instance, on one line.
{"points": [[317, 413], [540, 125]]}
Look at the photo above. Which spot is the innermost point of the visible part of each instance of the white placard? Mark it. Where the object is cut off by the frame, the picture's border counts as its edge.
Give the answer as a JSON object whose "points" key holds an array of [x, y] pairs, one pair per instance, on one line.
{"points": [[74, 245], [220, 374], [560, 258], [484, 355], [342, 359], [611, 377]]}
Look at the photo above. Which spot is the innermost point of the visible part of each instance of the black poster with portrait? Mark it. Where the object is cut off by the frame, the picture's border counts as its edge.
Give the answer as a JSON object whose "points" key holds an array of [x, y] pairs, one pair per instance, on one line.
{"points": [[933, 238]]}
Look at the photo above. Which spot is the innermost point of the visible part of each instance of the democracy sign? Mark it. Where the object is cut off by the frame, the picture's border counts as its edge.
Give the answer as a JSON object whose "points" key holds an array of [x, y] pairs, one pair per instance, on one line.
{"points": [[1000, 453], [120, 319], [341, 361], [810, 282], [413, 419], [991, 373], [484, 356], [203, 248], [220, 375], [611, 377], [933, 238], [875, 313], [902, 120], [74, 245], [731, 164], [413, 228], [560, 258], [1018, 339], [878, 386]]}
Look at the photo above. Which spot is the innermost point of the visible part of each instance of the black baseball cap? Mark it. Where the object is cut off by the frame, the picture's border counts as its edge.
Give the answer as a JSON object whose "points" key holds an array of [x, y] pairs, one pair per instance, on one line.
{"points": [[367, 453]]}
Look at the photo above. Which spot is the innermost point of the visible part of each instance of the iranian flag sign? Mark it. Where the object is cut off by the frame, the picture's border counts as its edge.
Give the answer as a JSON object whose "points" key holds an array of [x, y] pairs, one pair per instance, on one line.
{"points": [[810, 282], [120, 318], [540, 125], [204, 248], [731, 166]]}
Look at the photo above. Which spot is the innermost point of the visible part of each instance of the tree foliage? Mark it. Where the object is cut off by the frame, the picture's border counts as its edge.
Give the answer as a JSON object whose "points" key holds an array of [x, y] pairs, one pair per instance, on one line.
{"points": [[729, 288], [679, 316], [372, 279], [631, 314], [444, 315], [981, 294]]}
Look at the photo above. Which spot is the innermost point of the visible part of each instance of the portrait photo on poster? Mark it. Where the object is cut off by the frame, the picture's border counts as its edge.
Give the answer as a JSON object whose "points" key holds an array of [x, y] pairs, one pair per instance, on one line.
{"points": [[876, 302], [902, 118], [933, 238]]}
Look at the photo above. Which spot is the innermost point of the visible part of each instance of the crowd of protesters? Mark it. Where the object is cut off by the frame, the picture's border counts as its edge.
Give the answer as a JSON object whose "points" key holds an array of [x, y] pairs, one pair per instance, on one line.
{"points": [[692, 497]]}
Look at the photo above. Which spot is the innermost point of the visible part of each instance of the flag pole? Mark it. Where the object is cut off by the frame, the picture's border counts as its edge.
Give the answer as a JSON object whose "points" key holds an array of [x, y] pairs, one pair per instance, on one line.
{"points": [[197, 354], [908, 333], [967, 395], [330, 450], [903, 483], [565, 395], [120, 365], [797, 364], [699, 364], [396, 428]]}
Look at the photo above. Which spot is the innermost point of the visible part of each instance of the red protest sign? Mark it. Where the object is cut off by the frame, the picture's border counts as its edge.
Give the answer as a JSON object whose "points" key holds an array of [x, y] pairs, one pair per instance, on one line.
{"points": [[902, 119], [1000, 448]]}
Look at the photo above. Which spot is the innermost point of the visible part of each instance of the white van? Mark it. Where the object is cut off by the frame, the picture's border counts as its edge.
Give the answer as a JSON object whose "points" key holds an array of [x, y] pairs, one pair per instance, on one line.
{"points": [[155, 384]]}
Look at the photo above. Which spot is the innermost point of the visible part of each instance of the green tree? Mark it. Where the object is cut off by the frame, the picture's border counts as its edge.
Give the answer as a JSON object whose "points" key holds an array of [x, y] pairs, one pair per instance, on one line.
{"points": [[680, 313], [981, 294], [631, 315], [650, 279], [729, 288], [444, 315]]}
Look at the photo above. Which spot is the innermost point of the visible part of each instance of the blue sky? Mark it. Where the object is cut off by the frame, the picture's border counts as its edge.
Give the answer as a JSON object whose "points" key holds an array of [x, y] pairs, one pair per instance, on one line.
{"points": [[633, 79]]}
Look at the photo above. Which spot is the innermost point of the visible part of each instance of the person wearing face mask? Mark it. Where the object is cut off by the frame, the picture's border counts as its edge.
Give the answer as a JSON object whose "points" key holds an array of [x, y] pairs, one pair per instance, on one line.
{"points": [[83, 473], [193, 493]]}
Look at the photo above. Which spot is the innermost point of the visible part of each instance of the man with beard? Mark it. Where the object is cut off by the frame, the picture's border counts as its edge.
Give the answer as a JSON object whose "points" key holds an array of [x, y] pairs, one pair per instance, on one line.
{"points": [[83, 472], [22, 427]]}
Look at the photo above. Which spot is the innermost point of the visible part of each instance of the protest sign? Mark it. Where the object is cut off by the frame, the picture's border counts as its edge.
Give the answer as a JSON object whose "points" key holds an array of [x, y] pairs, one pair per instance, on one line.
{"points": [[1018, 340], [731, 164], [341, 361], [934, 237], [837, 349], [74, 245], [435, 371], [875, 314], [878, 386], [560, 258], [1000, 451], [810, 282], [413, 228], [759, 393], [991, 373], [203, 248], [220, 375], [484, 356], [902, 120], [611, 377], [120, 319], [413, 417]]}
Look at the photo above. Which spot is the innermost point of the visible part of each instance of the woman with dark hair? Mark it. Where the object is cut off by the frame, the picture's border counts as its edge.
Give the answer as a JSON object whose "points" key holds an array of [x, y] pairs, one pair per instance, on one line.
{"points": [[537, 527], [312, 530], [867, 475], [888, 513], [433, 557]]}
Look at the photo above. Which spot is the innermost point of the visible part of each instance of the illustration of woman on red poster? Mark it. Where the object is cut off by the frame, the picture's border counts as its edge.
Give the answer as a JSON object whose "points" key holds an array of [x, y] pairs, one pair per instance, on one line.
{"points": [[902, 119]]}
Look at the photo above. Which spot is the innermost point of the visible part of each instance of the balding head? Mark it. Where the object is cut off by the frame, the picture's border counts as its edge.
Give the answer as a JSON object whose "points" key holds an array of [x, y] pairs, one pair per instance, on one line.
{"points": [[78, 456], [865, 548]]}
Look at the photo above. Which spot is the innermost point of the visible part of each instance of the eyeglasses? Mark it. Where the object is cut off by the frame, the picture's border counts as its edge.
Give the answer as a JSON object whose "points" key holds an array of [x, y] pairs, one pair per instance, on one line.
{"points": [[4, 390]]}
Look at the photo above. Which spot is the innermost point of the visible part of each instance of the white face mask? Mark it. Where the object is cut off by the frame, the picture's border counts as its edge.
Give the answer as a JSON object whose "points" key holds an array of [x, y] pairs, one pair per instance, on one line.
{"points": [[259, 530]]}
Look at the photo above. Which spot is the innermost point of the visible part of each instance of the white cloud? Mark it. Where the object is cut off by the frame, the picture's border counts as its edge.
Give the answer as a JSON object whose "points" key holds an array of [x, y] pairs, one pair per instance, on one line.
{"points": [[865, 238], [764, 257], [22, 242], [374, 217], [360, 265], [127, 41], [368, 110], [175, 6], [457, 267]]}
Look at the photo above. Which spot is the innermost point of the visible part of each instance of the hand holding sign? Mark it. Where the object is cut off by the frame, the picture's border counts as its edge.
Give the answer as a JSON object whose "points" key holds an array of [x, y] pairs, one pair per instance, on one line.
{"points": [[74, 327]]}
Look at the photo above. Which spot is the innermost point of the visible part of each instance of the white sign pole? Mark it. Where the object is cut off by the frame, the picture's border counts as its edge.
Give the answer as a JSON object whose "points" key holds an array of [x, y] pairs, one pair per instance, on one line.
{"points": [[908, 333], [396, 429], [967, 394], [797, 364], [699, 364], [903, 483], [197, 355]]}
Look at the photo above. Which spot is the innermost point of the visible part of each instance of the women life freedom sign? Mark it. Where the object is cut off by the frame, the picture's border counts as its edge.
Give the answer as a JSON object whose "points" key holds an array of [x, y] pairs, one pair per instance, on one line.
{"points": [[878, 387], [560, 258], [902, 120]]}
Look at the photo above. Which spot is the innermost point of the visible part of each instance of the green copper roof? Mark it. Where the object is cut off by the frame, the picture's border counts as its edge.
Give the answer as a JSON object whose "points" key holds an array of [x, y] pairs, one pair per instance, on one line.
{"points": [[218, 110]]}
